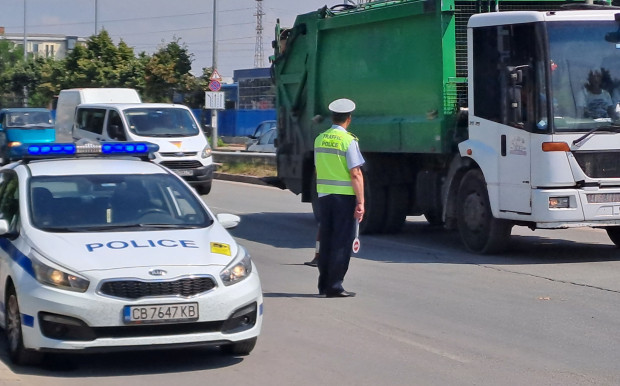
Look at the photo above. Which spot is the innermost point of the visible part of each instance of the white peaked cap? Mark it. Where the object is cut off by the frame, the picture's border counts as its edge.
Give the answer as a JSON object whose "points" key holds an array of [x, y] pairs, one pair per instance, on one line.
{"points": [[342, 106]]}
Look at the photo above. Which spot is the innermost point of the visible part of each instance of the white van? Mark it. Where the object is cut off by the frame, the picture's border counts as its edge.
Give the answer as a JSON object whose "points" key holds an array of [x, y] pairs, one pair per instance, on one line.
{"points": [[182, 145], [68, 101]]}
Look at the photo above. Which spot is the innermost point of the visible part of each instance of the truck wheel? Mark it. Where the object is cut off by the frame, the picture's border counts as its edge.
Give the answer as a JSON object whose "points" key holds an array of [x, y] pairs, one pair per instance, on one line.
{"points": [[374, 205], [397, 207], [241, 348], [614, 235], [13, 329], [434, 217], [314, 198], [479, 230]]}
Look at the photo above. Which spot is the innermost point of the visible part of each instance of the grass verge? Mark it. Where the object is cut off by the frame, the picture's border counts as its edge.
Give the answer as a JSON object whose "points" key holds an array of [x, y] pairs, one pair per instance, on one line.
{"points": [[248, 169]]}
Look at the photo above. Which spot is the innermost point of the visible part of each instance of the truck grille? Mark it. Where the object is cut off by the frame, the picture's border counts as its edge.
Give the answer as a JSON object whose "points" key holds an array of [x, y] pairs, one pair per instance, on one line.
{"points": [[599, 164], [135, 289], [193, 164], [179, 154]]}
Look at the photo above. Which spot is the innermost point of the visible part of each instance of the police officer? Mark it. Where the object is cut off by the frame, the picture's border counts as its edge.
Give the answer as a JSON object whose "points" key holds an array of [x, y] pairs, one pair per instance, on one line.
{"points": [[340, 187]]}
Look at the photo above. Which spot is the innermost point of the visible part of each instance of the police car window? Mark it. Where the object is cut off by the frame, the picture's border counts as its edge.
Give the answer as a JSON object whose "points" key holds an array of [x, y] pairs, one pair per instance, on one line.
{"points": [[134, 202], [9, 200], [91, 120]]}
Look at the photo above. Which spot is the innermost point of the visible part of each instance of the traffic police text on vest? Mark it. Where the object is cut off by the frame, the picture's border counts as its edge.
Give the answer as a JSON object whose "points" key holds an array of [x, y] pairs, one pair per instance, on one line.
{"points": [[330, 155]]}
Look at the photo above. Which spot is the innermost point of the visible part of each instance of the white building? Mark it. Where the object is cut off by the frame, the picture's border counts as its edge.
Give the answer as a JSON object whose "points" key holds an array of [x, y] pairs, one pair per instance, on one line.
{"points": [[44, 45]]}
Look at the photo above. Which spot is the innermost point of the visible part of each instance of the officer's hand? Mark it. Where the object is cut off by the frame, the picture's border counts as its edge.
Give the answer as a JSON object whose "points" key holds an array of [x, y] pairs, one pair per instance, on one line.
{"points": [[359, 212]]}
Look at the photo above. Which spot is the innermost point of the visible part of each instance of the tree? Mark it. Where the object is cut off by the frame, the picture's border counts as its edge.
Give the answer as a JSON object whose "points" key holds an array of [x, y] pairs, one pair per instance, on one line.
{"points": [[168, 72]]}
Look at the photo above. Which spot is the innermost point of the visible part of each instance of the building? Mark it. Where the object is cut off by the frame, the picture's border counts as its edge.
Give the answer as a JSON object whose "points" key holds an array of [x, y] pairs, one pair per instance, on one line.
{"points": [[44, 45], [250, 100]]}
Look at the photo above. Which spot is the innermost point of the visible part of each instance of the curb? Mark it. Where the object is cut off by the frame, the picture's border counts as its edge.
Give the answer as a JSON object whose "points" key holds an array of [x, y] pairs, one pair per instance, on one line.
{"points": [[240, 178]]}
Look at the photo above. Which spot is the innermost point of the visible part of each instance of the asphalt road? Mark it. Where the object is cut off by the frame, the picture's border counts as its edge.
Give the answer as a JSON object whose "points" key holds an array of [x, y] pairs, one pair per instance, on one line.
{"points": [[426, 313]]}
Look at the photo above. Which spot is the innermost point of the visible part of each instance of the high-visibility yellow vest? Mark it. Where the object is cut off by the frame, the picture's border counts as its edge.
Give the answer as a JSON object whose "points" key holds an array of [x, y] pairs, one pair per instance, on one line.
{"points": [[332, 172]]}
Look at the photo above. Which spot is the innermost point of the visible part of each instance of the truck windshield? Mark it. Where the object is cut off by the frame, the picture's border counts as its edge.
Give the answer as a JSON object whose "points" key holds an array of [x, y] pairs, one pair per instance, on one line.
{"points": [[161, 122], [26, 119], [585, 74]]}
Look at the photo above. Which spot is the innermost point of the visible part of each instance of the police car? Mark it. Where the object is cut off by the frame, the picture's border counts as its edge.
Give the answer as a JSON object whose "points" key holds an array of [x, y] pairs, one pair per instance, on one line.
{"points": [[101, 251]]}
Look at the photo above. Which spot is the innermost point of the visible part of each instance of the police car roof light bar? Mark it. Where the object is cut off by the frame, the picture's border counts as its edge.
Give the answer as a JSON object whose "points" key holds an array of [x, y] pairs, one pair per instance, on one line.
{"points": [[26, 152]]}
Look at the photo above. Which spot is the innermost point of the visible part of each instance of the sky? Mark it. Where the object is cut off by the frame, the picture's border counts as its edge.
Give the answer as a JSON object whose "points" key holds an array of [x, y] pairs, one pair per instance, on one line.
{"points": [[147, 25]]}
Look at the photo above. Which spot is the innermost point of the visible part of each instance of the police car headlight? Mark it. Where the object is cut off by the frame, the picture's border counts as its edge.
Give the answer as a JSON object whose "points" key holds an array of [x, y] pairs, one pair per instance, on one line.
{"points": [[58, 278], [206, 152], [238, 269]]}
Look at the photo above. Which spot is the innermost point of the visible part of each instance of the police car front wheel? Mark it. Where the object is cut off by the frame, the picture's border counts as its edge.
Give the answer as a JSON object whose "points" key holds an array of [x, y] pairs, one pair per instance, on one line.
{"points": [[15, 339]]}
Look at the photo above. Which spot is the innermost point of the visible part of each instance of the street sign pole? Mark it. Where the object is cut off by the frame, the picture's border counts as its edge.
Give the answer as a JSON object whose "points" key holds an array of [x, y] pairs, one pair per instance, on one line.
{"points": [[214, 111]]}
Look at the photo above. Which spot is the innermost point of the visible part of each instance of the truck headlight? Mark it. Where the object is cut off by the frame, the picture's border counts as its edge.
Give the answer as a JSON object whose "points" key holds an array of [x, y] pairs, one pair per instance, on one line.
{"points": [[559, 202], [58, 278], [238, 269], [206, 152]]}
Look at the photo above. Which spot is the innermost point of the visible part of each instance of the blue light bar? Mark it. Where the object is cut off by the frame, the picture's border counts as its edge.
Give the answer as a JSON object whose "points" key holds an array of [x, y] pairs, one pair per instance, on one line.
{"points": [[64, 150]]}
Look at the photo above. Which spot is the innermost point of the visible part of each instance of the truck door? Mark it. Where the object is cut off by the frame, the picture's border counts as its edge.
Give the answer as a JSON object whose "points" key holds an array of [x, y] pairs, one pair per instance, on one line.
{"points": [[508, 83]]}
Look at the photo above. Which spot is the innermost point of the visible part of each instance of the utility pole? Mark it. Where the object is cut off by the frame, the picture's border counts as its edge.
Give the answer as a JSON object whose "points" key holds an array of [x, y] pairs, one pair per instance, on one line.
{"points": [[214, 58], [96, 9], [25, 102], [259, 59]]}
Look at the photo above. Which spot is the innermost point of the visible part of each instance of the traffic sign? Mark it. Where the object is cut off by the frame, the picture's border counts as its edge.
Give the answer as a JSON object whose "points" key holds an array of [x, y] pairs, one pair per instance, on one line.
{"points": [[215, 85], [215, 76], [214, 100]]}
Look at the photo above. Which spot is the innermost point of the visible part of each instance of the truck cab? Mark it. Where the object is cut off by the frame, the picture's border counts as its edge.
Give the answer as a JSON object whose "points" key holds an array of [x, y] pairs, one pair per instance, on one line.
{"points": [[544, 119], [24, 125]]}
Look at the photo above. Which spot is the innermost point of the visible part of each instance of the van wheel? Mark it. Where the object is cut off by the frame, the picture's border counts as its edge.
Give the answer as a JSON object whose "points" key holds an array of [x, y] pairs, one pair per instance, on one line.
{"points": [[13, 329], [241, 348], [204, 189]]}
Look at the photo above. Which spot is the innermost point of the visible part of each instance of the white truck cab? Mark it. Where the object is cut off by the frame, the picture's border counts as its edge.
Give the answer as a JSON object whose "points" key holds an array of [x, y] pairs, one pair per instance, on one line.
{"points": [[182, 145]]}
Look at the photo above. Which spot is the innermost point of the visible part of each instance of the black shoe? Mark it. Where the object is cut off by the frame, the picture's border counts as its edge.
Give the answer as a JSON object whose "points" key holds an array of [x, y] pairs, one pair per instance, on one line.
{"points": [[343, 294], [313, 263]]}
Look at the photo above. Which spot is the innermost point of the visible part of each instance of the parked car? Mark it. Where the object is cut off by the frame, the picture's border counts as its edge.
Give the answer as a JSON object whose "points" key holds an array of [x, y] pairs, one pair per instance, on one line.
{"points": [[265, 143], [24, 125], [103, 250], [261, 129]]}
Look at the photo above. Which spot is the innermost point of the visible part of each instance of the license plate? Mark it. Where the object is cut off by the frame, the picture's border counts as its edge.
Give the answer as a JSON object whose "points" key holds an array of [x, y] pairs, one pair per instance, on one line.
{"points": [[184, 172], [160, 313]]}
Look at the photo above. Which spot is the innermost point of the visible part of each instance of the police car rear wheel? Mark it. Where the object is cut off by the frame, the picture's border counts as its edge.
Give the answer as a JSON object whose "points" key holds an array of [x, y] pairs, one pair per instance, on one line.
{"points": [[244, 347], [15, 340]]}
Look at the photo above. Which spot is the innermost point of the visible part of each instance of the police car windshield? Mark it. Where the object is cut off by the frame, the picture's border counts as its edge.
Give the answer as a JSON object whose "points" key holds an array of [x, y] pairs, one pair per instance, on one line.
{"points": [[85, 203], [161, 122]]}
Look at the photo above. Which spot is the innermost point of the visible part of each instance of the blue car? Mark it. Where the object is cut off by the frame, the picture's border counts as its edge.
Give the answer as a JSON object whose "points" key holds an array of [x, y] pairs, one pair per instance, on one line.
{"points": [[24, 125]]}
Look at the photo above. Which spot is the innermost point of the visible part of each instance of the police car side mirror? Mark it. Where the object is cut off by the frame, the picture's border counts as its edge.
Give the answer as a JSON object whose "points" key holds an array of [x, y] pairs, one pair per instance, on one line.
{"points": [[4, 227], [228, 220]]}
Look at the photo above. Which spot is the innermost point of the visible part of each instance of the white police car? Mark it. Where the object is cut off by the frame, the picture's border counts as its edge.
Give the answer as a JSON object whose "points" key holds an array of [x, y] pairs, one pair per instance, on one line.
{"points": [[102, 253]]}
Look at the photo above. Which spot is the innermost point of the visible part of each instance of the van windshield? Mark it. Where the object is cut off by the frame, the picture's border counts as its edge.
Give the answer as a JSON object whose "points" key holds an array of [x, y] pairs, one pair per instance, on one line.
{"points": [[161, 122]]}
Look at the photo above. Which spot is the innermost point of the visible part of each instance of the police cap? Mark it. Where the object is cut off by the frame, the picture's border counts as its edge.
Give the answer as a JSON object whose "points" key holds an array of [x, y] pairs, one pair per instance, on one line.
{"points": [[342, 106]]}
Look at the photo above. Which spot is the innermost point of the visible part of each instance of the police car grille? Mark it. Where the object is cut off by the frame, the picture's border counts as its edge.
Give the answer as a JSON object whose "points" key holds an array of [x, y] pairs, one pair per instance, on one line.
{"points": [[193, 164], [135, 289]]}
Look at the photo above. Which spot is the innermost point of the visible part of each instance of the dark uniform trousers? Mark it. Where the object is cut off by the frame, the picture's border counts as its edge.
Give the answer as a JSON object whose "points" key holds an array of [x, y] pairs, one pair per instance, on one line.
{"points": [[336, 232]]}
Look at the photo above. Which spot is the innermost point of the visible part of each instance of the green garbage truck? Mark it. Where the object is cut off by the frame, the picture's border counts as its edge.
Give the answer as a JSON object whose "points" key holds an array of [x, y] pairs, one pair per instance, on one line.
{"points": [[480, 115]]}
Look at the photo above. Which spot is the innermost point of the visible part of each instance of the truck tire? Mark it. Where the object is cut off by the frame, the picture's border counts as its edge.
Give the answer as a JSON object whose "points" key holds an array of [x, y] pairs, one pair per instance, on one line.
{"points": [[314, 198], [396, 208], [433, 217], [614, 235], [374, 205], [480, 231]]}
